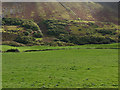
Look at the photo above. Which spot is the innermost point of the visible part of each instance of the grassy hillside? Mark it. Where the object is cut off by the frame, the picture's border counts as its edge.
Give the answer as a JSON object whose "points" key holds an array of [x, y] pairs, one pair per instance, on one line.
{"points": [[64, 10]]}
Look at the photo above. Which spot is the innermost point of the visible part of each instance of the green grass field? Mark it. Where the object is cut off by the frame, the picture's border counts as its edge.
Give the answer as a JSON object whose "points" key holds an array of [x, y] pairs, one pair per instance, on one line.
{"points": [[73, 68], [92, 46]]}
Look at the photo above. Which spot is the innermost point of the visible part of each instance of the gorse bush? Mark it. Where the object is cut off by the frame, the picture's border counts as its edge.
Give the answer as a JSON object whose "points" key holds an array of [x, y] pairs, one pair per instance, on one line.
{"points": [[37, 35], [12, 43], [56, 32], [26, 33], [12, 50], [29, 30], [24, 39], [80, 40], [87, 33], [63, 32], [12, 21], [103, 32], [28, 24], [55, 28]]}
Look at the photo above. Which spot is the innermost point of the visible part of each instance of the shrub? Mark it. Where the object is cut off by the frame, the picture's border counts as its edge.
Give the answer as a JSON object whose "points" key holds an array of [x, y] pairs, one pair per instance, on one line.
{"points": [[56, 32], [103, 32], [64, 38], [12, 21], [28, 24], [12, 43], [56, 27], [52, 44], [29, 30], [56, 40], [69, 44], [59, 43], [38, 35], [12, 50], [3, 22], [85, 39], [26, 33], [119, 38], [24, 39]]}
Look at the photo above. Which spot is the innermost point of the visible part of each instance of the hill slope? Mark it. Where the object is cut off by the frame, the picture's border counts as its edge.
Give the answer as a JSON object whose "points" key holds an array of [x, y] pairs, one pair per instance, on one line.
{"points": [[60, 23], [63, 10]]}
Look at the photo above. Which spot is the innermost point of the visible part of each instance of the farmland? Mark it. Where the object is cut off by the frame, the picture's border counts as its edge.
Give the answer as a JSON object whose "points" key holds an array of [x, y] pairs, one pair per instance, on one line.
{"points": [[89, 46], [74, 54], [73, 68], [60, 45]]}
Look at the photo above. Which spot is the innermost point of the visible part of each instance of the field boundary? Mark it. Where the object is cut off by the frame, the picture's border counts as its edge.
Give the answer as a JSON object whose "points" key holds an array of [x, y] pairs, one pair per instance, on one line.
{"points": [[59, 49]]}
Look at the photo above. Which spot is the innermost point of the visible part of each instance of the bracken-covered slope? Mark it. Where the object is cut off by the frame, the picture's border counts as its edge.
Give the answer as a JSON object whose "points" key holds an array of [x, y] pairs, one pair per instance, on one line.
{"points": [[64, 10], [59, 23]]}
